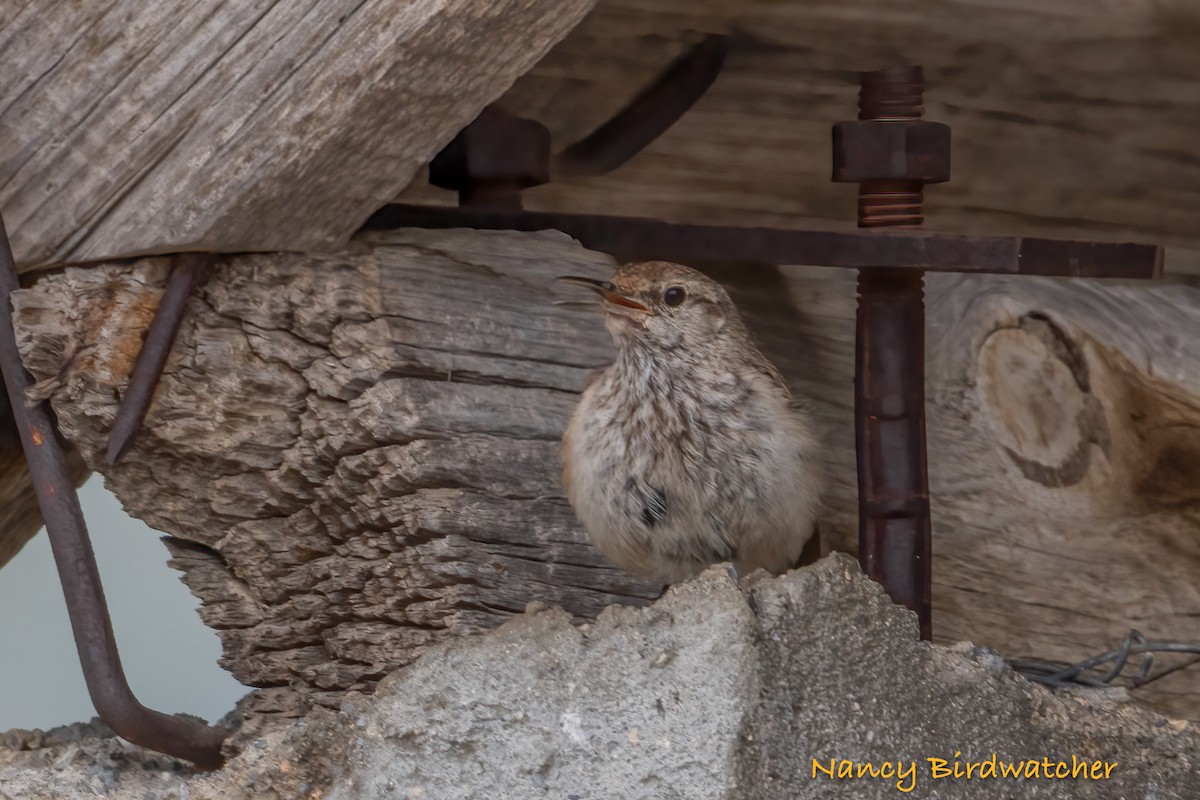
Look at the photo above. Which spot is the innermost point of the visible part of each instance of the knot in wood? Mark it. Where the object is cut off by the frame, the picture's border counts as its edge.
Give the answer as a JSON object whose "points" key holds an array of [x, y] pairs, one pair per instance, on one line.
{"points": [[1033, 379]]}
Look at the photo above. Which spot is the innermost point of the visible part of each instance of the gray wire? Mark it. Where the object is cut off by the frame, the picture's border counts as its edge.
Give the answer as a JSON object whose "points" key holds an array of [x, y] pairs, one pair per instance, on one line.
{"points": [[1059, 674]]}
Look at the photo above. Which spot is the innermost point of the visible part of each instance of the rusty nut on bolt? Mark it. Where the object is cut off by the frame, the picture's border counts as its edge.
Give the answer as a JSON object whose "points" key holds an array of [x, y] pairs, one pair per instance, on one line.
{"points": [[493, 159], [891, 149]]}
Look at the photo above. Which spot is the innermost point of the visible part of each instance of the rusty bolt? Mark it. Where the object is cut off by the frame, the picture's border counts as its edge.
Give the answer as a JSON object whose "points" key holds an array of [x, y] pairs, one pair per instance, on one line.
{"points": [[890, 141], [493, 159]]}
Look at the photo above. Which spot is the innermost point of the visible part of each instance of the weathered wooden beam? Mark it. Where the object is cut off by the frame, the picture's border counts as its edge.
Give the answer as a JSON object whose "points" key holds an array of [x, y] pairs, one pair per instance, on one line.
{"points": [[129, 127]]}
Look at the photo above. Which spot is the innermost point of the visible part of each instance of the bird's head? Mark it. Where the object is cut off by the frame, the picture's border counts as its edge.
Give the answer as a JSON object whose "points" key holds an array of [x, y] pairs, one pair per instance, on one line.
{"points": [[663, 305]]}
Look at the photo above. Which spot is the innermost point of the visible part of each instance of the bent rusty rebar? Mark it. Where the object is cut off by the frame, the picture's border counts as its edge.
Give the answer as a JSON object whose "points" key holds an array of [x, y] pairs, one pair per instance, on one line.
{"points": [[109, 690], [499, 154], [649, 115], [185, 272]]}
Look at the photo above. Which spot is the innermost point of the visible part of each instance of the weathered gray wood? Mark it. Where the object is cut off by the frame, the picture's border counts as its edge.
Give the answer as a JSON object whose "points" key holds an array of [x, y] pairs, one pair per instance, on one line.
{"points": [[130, 127], [1070, 118], [360, 448], [1064, 442]]}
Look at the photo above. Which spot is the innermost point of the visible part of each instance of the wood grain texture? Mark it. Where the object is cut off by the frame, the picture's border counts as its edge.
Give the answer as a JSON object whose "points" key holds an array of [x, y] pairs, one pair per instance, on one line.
{"points": [[1069, 118], [129, 127], [1063, 425], [356, 453]]}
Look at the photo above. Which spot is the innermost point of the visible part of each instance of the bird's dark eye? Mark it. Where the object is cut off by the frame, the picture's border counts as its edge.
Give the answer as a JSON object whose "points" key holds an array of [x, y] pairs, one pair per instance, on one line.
{"points": [[674, 296]]}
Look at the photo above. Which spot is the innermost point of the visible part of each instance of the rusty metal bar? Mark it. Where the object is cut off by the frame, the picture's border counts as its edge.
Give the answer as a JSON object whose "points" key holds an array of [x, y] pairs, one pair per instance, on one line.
{"points": [[894, 544], [186, 269], [649, 115], [636, 238], [499, 154], [109, 690]]}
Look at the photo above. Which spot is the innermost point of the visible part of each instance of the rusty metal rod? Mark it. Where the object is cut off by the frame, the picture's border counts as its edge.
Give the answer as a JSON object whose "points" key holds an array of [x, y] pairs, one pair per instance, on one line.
{"points": [[649, 115], [894, 544], [889, 422], [498, 155], [185, 272], [109, 690], [640, 238]]}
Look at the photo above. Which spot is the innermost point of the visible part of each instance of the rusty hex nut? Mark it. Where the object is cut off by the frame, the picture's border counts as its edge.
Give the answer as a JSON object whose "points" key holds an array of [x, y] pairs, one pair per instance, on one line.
{"points": [[497, 148], [908, 150]]}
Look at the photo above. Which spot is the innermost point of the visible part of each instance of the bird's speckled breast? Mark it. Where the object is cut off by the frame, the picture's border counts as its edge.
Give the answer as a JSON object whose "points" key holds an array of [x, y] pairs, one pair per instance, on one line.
{"points": [[668, 465]]}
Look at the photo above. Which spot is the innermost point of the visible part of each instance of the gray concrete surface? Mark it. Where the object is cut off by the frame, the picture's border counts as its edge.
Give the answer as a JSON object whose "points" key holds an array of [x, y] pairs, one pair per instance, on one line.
{"points": [[715, 691]]}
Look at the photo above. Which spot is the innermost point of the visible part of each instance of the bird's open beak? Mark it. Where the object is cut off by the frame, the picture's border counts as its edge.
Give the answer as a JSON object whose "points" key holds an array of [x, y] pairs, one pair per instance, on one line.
{"points": [[608, 293]]}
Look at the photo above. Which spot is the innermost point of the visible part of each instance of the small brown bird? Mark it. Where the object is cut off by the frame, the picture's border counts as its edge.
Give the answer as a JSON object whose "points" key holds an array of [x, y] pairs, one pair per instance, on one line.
{"points": [[688, 450]]}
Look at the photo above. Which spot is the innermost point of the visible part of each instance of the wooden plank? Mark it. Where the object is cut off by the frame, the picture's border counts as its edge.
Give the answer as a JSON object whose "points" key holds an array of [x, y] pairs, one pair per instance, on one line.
{"points": [[129, 127]]}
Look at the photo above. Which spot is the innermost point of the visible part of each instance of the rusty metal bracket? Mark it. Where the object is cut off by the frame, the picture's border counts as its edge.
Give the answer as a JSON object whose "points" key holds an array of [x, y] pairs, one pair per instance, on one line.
{"points": [[641, 238], [109, 690]]}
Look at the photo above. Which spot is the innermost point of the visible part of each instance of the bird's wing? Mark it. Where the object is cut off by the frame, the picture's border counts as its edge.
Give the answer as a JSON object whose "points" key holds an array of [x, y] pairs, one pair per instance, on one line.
{"points": [[761, 364]]}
